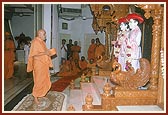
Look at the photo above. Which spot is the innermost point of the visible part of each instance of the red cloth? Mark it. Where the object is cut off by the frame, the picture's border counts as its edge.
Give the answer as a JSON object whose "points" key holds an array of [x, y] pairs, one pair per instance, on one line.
{"points": [[135, 16], [124, 20]]}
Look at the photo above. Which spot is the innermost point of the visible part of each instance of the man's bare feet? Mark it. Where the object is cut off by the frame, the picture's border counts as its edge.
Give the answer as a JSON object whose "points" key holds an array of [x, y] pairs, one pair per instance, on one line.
{"points": [[36, 100]]}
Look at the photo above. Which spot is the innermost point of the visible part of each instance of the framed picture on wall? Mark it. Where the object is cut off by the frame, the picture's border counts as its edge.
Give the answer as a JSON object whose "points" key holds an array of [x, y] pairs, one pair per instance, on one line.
{"points": [[64, 26]]}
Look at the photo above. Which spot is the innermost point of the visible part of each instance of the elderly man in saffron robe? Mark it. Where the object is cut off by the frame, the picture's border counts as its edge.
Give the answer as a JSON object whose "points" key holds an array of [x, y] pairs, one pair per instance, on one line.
{"points": [[39, 62], [9, 56]]}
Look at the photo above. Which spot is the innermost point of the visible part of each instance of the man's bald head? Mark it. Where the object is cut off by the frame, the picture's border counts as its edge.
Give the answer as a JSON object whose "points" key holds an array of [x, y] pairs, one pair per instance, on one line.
{"points": [[41, 34]]}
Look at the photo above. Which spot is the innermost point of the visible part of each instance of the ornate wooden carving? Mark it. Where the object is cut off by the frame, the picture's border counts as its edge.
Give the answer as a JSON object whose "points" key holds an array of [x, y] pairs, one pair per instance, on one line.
{"points": [[106, 20], [126, 91], [128, 97], [95, 25], [155, 11], [120, 11], [131, 80]]}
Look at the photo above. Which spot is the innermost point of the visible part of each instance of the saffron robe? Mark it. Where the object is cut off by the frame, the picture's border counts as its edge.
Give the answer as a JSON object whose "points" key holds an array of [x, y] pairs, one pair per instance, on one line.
{"points": [[65, 69], [39, 63], [9, 57], [91, 52], [99, 51], [75, 67], [83, 64], [75, 52]]}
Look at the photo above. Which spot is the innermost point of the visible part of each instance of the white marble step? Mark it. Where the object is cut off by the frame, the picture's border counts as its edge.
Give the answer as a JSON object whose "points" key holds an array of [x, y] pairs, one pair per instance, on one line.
{"points": [[99, 83], [139, 108], [95, 88], [76, 99]]}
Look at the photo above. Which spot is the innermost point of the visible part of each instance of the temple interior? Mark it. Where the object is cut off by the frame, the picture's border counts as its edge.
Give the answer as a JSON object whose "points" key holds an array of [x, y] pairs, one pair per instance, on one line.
{"points": [[104, 85]]}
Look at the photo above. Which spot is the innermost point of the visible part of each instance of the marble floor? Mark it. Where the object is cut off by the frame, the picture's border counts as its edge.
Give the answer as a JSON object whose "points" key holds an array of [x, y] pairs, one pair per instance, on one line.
{"points": [[16, 87]]}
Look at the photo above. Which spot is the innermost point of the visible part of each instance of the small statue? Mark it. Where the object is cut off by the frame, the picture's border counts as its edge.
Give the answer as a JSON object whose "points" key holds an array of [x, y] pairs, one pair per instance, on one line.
{"points": [[71, 108], [107, 89], [83, 78], [72, 84], [89, 100]]}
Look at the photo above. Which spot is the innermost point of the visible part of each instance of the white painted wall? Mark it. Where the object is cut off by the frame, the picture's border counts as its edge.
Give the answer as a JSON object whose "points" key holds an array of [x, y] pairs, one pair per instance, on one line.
{"points": [[76, 30], [23, 24]]}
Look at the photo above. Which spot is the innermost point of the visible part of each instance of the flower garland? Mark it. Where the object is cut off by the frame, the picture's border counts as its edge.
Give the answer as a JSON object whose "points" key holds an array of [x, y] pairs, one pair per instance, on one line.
{"points": [[128, 58], [119, 43]]}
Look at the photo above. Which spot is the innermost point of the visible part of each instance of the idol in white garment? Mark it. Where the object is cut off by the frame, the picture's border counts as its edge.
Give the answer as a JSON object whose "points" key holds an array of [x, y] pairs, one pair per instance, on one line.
{"points": [[134, 42]]}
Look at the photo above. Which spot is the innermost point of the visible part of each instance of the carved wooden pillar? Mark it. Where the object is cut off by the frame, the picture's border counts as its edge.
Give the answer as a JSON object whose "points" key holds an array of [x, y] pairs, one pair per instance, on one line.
{"points": [[161, 79], [161, 71], [156, 11], [156, 43], [95, 25], [107, 35], [114, 29]]}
